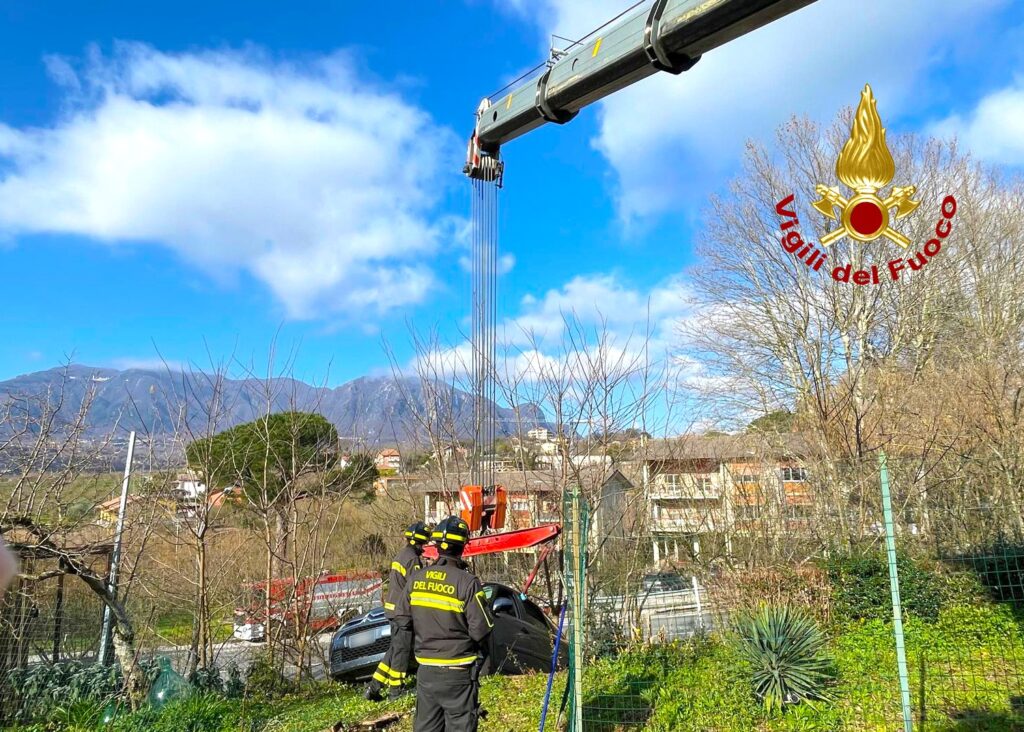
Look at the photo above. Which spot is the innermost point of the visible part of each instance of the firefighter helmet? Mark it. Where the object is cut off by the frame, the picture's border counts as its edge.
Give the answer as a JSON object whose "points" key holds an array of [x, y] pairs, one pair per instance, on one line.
{"points": [[451, 535], [418, 534]]}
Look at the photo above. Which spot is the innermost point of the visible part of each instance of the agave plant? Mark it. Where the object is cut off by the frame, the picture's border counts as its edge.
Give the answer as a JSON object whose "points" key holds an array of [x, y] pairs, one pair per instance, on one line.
{"points": [[786, 650]]}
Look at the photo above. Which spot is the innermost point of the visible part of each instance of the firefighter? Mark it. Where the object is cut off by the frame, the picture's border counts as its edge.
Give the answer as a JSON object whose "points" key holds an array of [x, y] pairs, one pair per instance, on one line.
{"points": [[393, 668], [445, 607]]}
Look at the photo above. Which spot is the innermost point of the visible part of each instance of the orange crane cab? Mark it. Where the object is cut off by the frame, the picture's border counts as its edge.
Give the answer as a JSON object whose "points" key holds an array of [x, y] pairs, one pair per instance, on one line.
{"points": [[483, 507]]}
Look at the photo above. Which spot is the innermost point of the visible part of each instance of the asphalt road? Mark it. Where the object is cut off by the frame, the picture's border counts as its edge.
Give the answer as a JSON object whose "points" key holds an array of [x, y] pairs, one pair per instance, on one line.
{"points": [[242, 653], [230, 651]]}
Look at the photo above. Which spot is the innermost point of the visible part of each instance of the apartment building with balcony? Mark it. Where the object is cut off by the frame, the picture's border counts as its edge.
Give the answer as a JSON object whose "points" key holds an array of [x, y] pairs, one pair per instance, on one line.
{"points": [[535, 497], [716, 489]]}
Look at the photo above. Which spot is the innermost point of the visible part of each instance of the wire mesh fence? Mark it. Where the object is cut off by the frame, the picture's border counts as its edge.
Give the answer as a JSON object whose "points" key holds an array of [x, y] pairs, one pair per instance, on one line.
{"points": [[691, 574], [684, 612]]}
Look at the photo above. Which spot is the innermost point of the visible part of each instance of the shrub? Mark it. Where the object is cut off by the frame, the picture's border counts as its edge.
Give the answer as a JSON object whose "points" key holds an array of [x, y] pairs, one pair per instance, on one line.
{"points": [[207, 680], [234, 687], [786, 653], [195, 713], [860, 587], [805, 587], [710, 690], [36, 691], [265, 679], [1000, 568]]}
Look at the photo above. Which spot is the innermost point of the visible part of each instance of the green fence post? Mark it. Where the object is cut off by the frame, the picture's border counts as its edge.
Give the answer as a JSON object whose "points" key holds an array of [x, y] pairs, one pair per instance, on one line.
{"points": [[575, 513], [894, 586]]}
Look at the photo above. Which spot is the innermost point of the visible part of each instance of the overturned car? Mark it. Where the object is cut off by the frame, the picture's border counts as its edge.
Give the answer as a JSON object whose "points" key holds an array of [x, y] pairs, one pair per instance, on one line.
{"points": [[522, 639]]}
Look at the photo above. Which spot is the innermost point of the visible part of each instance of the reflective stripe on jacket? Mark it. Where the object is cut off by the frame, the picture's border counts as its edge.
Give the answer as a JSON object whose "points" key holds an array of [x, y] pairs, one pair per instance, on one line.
{"points": [[407, 562], [447, 609]]}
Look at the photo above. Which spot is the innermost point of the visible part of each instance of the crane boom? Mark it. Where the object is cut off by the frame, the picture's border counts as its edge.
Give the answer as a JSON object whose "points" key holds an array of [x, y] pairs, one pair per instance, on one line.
{"points": [[666, 35]]}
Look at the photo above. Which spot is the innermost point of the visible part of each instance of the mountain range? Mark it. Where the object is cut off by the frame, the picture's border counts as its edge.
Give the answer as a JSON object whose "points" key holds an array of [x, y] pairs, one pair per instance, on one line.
{"points": [[367, 410]]}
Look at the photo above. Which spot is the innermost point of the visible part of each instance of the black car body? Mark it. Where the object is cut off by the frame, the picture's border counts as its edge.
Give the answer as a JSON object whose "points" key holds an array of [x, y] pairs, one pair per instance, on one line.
{"points": [[522, 639]]}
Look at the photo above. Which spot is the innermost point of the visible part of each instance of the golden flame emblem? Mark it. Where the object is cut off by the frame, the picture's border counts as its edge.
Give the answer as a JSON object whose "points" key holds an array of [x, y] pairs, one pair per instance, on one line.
{"points": [[865, 165]]}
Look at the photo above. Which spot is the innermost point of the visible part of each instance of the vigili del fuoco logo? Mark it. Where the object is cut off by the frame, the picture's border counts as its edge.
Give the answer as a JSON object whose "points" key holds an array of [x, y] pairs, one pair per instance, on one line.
{"points": [[865, 166]]}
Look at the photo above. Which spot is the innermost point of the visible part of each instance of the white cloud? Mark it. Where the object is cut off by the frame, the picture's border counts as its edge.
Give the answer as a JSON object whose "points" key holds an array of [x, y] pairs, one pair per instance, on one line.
{"points": [[154, 363], [317, 183], [669, 139], [994, 130], [601, 310], [566, 18], [599, 301], [506, 263]]}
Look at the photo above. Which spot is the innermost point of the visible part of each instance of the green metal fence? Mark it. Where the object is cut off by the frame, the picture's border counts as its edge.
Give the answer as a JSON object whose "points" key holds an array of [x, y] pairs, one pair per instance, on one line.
{"points": [[910, 577]]}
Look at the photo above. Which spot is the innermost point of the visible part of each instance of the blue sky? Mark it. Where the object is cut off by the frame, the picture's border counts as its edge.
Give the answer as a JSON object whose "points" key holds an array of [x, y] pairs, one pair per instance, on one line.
{"points": [[196, 180]]}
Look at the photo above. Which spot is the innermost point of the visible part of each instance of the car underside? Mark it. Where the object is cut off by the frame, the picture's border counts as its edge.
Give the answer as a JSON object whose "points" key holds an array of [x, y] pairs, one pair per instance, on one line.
{"points": [[522, 639]]}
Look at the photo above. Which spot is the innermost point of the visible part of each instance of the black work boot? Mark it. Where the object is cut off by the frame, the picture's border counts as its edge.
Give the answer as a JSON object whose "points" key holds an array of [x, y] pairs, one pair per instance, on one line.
{"points": [[373, 692]]}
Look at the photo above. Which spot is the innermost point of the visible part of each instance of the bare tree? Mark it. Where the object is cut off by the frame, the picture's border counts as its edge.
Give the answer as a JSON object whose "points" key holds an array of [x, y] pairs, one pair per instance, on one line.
{"points": [[861, 365], [57, 485]]}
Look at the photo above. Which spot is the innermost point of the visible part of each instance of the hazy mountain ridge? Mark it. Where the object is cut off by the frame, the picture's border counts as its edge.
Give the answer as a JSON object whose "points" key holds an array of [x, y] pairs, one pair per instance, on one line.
{"points": [[374, 410]]}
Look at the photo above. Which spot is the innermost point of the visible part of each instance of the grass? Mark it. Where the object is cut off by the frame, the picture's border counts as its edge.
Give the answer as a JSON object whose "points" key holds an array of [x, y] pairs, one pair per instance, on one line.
{"points": [[513, 703], [971, 684], [83, 493], [972, 657], [176, 629]]}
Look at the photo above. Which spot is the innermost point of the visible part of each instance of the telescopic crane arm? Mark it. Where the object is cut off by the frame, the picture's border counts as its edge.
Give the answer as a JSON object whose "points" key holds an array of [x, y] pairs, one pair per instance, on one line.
{"points": [[668, 35]]}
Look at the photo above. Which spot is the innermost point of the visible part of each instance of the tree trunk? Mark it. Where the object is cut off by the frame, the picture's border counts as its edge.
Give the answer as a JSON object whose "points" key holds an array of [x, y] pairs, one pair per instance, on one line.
{"points": [[267, 596], [124, 652], [124, 633], [280, 539], [203, 606], [193, 650]]}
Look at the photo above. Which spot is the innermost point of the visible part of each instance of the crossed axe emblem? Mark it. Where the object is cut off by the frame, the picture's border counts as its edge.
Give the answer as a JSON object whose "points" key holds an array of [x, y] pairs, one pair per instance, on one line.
{"points": [[831, 199]]}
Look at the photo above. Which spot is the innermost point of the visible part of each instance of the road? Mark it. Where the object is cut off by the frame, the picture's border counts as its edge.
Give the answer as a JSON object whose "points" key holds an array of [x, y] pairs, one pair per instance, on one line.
{"points": [[241, 653]]}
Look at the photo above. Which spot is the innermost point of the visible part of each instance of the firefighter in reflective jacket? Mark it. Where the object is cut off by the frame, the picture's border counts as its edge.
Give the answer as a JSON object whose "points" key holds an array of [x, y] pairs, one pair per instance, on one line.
{"points": [[393, 668], [446, 608]]}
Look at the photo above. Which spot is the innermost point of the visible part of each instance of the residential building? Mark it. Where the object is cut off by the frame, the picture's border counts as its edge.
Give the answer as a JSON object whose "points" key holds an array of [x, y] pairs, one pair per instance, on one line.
{"points": [[724, 487], [448, 453], [539, 434], [498, 464], [106, 512], [533, 497], [188, 487], [389, 459]]}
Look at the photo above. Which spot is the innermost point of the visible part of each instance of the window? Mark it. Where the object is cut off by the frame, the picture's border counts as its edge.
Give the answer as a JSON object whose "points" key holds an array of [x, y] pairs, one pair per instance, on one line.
{"points": [[748, 512], [799, 512], [521, 504], [794, 475], [747, 478], [534, 616], [702, 483], [699, 484], [671, 480]]}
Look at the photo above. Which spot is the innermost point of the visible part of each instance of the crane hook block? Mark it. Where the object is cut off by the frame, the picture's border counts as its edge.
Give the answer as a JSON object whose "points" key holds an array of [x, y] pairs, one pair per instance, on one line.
{"points": [[483, 164], [654, 46]]}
